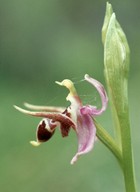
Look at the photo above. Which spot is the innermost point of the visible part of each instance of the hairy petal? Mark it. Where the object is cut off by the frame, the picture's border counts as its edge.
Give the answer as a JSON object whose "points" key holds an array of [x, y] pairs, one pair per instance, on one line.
{"points": [[63, 118], [92, 110], [59, 117], [86, 133]]}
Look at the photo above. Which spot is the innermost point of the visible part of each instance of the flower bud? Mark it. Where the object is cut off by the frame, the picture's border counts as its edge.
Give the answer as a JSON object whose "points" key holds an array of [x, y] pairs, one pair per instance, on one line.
{"points": [[116, 59]]}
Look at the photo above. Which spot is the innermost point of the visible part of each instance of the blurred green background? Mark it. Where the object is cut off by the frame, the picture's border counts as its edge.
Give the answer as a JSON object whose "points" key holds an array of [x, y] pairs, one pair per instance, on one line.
{"points": [[47, 40]]}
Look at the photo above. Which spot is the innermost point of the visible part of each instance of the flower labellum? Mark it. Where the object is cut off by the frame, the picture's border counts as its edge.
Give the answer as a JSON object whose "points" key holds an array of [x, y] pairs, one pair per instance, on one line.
{"points": [[75, 116]]}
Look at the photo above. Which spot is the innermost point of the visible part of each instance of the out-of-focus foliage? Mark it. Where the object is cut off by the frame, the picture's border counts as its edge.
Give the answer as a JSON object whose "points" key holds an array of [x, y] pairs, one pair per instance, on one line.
{"points": [[47, 40]]}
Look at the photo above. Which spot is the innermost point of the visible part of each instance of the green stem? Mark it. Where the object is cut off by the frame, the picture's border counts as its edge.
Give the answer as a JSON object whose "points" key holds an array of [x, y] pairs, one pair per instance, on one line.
{"points": [[108, 141], [127, 153]]}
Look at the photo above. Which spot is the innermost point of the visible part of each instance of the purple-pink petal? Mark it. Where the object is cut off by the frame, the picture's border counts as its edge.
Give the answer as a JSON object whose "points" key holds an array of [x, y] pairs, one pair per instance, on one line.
{"points": [[92, 110], [86, 133]]}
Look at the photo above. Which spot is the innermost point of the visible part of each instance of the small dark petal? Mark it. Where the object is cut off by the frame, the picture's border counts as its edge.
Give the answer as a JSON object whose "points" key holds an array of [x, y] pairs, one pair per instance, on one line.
{"points": [[43, 134], [64, 129]]}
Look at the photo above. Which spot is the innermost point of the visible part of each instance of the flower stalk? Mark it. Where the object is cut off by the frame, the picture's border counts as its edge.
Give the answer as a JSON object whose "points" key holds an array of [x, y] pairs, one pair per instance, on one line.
{"points": [[116, 62]]}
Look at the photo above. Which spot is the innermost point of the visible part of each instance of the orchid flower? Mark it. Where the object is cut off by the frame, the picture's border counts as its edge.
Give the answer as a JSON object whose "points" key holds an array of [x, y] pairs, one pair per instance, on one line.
{"points": [[76, 116]]}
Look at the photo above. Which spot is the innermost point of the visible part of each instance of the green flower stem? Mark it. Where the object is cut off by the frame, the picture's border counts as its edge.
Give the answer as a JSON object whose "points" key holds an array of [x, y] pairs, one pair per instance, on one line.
{"points": [[108, 141], [128, 170]]}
